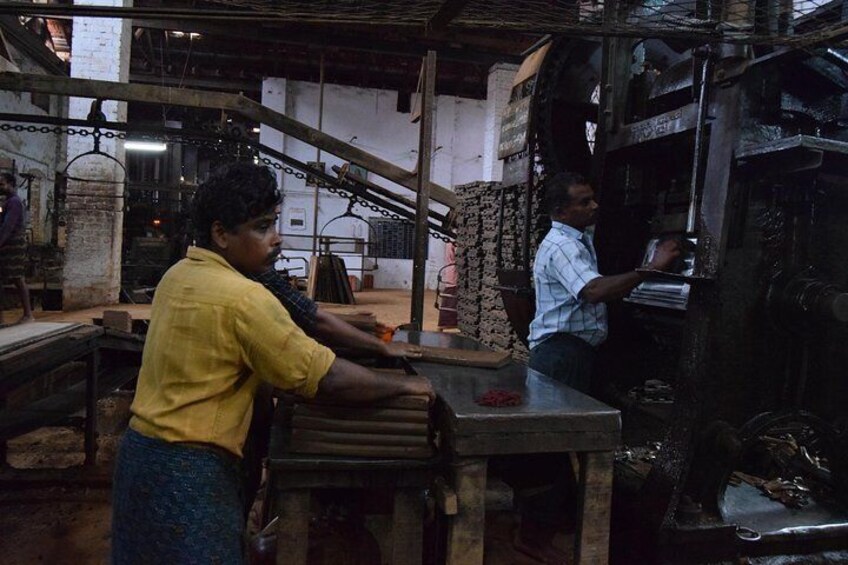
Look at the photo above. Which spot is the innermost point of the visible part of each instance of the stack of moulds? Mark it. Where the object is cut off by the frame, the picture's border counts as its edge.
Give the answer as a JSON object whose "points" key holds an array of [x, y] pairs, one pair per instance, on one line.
{"points": [[397, 428], [470, 257], [329, 281], [480, 308]]}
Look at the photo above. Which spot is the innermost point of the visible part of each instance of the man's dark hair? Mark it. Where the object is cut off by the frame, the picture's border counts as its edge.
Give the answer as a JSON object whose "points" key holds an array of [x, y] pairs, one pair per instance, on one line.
{"points": [[232, 195], [10, 178], [557, 194]]}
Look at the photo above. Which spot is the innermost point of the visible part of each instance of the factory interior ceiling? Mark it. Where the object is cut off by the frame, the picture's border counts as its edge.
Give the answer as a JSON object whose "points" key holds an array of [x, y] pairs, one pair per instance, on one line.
{"points": [[231, 45]]}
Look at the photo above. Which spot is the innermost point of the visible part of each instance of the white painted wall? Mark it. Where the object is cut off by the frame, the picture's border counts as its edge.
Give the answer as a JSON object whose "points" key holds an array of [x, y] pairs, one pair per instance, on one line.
{"points": [[498, 90], [36, 154], [369, 118]]}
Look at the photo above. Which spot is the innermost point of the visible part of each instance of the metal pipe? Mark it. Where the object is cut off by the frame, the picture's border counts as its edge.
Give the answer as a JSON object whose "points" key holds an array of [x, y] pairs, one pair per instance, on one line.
{"points": [[425, 151], [700, 135], [318, 157], [154, 129]]}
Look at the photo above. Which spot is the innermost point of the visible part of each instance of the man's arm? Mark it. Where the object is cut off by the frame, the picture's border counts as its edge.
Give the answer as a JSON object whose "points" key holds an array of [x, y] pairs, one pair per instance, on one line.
{"points": [[352, 383], [605, 289], [331, 329], [325, 326]]}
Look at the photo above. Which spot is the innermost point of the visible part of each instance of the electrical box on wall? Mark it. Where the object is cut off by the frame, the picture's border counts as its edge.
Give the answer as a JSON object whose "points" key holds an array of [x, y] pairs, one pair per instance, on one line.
{"points": [[297, 219]]}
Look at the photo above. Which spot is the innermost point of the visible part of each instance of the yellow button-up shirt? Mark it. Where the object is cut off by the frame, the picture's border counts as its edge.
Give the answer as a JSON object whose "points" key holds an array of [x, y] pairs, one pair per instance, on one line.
{"points": [[213, 333]]}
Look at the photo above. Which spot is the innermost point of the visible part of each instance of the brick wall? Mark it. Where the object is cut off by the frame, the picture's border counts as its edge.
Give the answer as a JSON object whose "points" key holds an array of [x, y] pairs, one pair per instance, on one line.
{"points": [[92, 273]]}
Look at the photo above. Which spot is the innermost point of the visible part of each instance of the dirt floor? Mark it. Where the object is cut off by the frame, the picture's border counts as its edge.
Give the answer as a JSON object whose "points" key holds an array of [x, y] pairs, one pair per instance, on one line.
{"points": [[56, 511]]}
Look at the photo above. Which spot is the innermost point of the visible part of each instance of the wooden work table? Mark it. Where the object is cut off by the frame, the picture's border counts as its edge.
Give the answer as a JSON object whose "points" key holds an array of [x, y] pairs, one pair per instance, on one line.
{"points": [[552, 418], [30, 350]]}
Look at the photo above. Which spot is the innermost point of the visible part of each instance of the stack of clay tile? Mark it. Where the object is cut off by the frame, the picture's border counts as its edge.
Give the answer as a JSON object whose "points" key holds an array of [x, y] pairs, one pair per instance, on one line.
{"points": [[398, 428]]}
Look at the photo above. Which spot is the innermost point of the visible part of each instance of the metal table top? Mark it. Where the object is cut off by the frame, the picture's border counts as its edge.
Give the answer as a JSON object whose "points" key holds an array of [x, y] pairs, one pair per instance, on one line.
{"points": [[552, 416]]}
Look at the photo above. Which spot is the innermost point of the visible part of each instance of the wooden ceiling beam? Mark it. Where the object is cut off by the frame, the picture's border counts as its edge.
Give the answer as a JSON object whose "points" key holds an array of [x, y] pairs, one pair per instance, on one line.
{"points": [[207, 83], [248, 108], [445, 14], [413, 47], [27, 42]]}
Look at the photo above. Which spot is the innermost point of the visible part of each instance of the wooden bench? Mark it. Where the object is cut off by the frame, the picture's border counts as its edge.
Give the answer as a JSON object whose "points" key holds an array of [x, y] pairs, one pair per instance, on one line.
{"points": [[553, 418], [292, 478]]}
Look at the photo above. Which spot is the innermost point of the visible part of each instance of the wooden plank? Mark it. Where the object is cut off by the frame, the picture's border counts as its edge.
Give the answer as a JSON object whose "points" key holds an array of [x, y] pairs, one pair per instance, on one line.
{"points": [[350, 426], [13, 338], [90, 315], [593, 529], [341, 149], [364, 322], [312, 278], [153, 94], [344, 281], [362, 414], [299, 434], [533, 442], [407, 527], [293, 526], [36, 358], [445, 496], [343, 449], [466, 529], [118, 320], [445, 14], [465, 357], [425, 154], [405, 402]]}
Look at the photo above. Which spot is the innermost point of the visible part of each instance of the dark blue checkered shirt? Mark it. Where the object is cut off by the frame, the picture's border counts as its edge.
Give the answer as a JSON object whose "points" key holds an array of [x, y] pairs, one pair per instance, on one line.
{"points": [[302, 310]]}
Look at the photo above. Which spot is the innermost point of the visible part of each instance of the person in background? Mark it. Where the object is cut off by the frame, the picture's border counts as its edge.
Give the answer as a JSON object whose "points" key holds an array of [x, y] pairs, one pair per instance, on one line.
{"points": [[13, 246], [571, 314], [569, 324], [214, 333]]}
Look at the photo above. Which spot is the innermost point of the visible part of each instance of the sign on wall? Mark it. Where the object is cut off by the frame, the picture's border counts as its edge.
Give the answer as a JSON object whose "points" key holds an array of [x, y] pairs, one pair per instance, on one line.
{"points": [[515, 127]]}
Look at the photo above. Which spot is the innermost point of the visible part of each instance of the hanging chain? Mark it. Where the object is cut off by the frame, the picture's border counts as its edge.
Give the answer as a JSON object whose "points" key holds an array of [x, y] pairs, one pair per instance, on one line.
{"points": [[228, 142]]}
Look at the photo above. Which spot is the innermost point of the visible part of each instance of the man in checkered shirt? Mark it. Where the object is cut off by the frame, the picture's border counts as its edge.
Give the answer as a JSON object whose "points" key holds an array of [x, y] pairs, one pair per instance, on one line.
{"points": [[571, 317], [570, 322]]}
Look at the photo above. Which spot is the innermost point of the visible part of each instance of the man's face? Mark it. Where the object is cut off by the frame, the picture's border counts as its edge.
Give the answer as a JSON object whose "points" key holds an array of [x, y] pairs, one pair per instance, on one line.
{"points": [[253, 246], [582, 211]]}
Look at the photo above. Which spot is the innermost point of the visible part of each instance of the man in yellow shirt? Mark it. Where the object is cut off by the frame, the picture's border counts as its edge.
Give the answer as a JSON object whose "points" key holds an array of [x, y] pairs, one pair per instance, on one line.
{"points": [[213, 334]]}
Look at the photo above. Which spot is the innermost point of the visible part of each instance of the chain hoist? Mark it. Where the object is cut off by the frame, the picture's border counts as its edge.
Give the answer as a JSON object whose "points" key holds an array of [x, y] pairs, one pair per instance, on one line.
{"points": [[227, 143]]}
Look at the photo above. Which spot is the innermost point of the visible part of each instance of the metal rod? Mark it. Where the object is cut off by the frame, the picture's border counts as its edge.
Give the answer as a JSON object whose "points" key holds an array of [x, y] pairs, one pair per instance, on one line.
{"points": [[392, 204], [318, 157], [700, 135], [367, 185], [425, 152], [149, 94]]}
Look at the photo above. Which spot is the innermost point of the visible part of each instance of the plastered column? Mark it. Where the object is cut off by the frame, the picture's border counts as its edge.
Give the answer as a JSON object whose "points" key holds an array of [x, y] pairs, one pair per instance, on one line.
{"points": [[92, 273]]}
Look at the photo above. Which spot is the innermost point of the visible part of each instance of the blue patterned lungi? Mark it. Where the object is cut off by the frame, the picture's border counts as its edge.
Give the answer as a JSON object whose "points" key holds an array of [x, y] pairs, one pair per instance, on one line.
{"points": [[175, 504]]}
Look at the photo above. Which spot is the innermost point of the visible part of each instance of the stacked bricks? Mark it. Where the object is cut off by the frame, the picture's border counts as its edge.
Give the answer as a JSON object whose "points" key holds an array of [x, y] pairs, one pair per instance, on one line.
{"points": [[481, 312], [470, 256]]}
